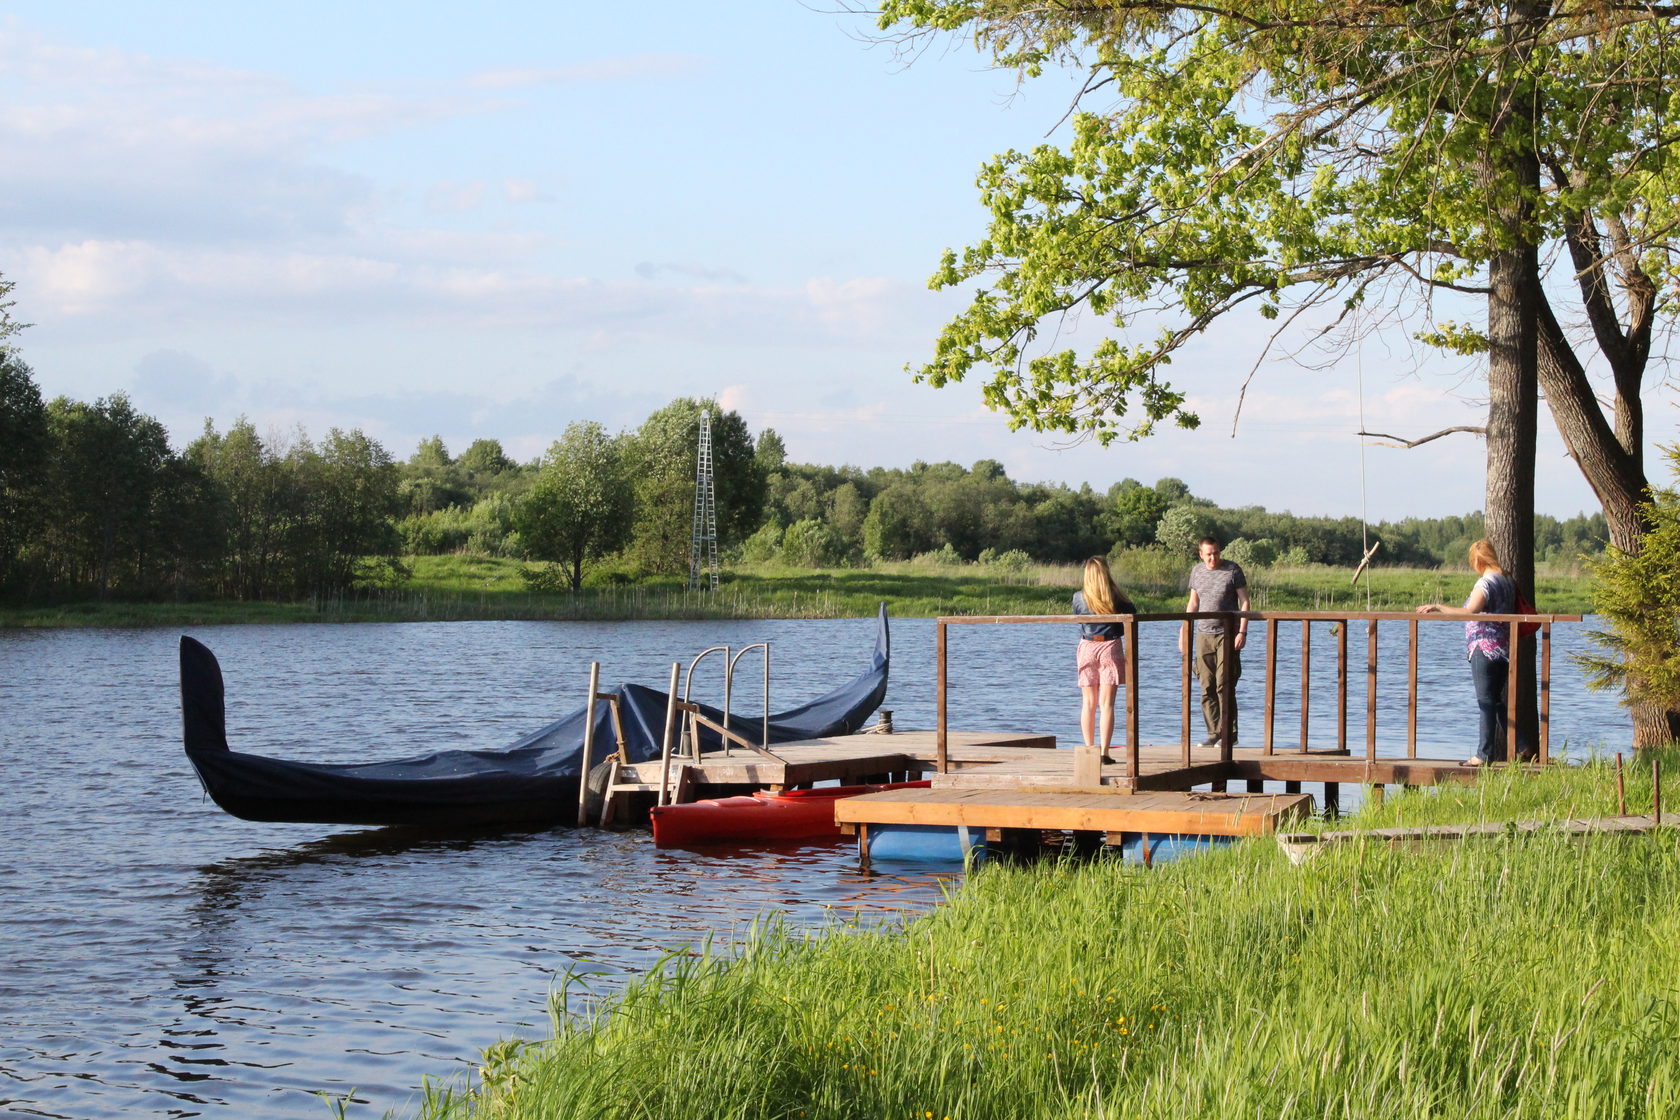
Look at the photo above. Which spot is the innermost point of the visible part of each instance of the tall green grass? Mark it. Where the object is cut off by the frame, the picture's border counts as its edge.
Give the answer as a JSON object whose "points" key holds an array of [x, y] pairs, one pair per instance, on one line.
{"points": [[1525, 977]]}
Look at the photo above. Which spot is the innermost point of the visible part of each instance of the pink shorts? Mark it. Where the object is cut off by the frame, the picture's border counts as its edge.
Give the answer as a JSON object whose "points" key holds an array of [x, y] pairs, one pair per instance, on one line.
{"points": [[1101, 663]]}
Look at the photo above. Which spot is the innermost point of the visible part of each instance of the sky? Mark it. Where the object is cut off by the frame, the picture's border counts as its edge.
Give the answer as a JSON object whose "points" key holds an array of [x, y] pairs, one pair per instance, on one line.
{"points": [[491, 221]]}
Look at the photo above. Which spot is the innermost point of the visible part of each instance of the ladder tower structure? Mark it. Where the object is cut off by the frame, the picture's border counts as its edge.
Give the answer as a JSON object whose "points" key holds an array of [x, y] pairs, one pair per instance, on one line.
{"points": [[702, 551]]}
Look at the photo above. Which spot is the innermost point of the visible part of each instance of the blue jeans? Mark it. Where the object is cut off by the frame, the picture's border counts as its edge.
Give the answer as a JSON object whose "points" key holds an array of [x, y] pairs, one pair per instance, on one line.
{"points": [[1490, 678]]}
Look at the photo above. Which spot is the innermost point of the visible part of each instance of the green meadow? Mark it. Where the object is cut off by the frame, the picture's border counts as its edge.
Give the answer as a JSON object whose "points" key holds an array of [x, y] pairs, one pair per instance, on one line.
{"points": [[1522, 977], [462, 587]]}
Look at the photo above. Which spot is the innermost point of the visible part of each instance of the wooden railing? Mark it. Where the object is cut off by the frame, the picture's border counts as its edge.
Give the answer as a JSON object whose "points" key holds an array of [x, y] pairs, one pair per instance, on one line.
{"points": [[1341, 622]]}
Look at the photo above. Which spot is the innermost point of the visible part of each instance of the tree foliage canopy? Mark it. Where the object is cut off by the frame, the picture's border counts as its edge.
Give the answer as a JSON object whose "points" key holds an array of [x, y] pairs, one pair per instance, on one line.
{"points": [[579, 509], [1282, 154]]}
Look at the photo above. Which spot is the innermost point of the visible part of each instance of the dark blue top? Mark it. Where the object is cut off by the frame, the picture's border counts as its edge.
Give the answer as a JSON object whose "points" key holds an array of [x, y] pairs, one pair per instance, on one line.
{"points": [[1110, 630]]}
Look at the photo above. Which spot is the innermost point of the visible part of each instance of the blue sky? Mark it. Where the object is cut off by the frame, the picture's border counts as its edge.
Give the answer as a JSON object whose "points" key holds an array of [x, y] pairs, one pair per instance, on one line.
{"points": [[494, 220]]}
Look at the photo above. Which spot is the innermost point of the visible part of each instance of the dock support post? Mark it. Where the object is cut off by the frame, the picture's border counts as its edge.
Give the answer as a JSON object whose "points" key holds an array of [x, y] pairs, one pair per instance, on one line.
{"points": [[665, 739], [1332, 800], [588, 745], [1374, 794]]}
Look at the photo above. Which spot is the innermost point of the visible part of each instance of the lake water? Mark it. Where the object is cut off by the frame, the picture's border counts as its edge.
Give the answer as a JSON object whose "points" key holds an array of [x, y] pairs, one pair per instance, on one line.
{"points": [[160, 958]]}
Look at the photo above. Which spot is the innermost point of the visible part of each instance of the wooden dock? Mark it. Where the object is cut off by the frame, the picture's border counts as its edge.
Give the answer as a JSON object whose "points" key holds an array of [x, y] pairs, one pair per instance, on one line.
{"points": [[1026, 760], [1026, 810]]}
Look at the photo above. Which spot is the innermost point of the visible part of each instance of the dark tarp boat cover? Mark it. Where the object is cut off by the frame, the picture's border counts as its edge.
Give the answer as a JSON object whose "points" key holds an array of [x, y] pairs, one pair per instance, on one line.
{"points": [[532, 781]]}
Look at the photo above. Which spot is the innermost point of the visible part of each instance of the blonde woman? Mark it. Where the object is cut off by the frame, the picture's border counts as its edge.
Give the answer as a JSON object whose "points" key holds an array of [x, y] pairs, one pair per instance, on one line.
{"points": [[1486, 647], [1102, 652]]}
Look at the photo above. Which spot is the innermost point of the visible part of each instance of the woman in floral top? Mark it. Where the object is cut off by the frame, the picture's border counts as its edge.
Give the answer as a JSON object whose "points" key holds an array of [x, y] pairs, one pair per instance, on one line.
{"points": [[1486, 647]]}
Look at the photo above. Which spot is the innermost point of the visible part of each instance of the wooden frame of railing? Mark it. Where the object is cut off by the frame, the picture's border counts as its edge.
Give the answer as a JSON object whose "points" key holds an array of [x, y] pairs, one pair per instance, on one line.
{"points": [[1341, 623]]}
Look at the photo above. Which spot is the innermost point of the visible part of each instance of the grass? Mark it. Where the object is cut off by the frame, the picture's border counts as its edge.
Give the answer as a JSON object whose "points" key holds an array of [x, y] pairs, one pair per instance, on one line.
{"points": [[461, 587], [1521, 978]]}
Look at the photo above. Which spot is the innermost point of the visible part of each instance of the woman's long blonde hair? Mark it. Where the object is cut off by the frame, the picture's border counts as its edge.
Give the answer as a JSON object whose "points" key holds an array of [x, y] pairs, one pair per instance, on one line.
{"points": [[1482, 559], [1099, 589]]}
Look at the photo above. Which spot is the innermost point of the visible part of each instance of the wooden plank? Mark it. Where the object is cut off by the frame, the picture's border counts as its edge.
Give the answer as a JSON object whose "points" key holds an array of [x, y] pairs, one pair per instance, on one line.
{"points": [[1178, 813], [1299, 846]]}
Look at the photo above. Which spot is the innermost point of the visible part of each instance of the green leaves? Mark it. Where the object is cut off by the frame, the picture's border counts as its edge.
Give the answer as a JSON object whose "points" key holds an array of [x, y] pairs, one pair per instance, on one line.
{"points": [[1284, 152]]}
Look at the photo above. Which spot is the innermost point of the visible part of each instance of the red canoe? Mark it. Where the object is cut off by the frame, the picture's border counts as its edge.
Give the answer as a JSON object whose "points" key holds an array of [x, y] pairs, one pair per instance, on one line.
{"points": [[794, 815]]}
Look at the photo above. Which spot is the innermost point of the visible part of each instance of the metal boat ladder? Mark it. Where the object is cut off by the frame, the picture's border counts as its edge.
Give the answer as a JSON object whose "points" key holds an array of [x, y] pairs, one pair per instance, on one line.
{"points": [[681, 748]]}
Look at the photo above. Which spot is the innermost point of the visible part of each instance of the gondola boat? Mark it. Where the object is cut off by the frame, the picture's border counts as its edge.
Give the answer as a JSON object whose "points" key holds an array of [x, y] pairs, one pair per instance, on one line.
{"points": [[795, 814], [533, 781]]}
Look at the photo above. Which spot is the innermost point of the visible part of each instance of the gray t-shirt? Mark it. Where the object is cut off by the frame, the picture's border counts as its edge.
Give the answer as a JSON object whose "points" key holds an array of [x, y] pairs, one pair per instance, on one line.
{"points": [[1216, 590]]}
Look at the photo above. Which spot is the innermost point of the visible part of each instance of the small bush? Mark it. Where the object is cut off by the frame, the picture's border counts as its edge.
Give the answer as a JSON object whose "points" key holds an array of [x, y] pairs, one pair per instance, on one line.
{"points": [[1151, 569], [943, 557], [1014, 561]]}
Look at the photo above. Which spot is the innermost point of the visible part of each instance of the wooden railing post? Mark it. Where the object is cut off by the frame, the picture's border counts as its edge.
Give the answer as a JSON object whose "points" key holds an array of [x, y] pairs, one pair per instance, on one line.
{"points": [[1306, 678], [1512, 652], [1227, 684], [1132, 757], [1187, 635], [941, 758], [1271, 680], [1545, 743], [1370, 689], [1341, 684], [1411, 691]]}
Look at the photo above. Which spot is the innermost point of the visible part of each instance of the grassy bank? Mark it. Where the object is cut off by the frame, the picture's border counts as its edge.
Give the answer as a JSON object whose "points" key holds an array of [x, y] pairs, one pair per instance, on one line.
{"points": [[1522, 978], [457, 588]]}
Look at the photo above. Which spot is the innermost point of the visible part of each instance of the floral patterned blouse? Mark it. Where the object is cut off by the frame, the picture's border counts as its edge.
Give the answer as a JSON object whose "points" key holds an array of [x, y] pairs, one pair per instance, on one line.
{"points": [[1489, 639]]}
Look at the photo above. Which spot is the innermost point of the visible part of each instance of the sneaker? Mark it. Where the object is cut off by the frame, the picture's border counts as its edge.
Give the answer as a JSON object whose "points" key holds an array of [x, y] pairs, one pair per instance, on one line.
{"points": [[1210, 741]]}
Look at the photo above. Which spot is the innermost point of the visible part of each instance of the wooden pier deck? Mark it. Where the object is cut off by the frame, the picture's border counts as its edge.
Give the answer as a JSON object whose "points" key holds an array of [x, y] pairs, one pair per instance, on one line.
{"points": [[1026, 760], [1186, 814]]}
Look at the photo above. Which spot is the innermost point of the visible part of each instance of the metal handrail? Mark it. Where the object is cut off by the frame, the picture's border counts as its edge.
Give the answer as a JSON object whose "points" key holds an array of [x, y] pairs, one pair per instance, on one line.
{"points": [[728, 687]]}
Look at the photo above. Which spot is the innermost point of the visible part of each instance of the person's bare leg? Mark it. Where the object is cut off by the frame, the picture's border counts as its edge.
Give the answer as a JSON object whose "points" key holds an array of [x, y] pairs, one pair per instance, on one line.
{"points": [[1088, 713], [1105, 701]]}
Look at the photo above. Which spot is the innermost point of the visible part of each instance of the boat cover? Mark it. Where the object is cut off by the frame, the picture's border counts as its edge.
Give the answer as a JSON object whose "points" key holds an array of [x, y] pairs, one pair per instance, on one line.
{"points": [[534, 780]]}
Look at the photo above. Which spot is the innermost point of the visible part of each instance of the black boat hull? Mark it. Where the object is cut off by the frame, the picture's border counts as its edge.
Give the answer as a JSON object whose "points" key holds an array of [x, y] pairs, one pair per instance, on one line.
{"points": [[531, 782]]}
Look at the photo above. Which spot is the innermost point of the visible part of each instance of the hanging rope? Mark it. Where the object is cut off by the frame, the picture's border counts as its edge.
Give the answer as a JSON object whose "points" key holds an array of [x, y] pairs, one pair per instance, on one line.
{"points": [[1364, 520]]}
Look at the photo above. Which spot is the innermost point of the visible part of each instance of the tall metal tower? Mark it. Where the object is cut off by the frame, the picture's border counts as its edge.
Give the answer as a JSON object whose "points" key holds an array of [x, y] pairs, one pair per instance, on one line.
{"points": [[702, 551]]}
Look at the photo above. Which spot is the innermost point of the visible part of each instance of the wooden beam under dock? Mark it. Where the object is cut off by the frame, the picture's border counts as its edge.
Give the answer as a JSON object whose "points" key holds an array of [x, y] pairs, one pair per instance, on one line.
{"points": [[1186, 814]]}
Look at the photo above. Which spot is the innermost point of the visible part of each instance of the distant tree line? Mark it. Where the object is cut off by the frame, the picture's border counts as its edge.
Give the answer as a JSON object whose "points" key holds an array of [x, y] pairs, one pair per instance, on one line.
{"points": [[95, 503]]}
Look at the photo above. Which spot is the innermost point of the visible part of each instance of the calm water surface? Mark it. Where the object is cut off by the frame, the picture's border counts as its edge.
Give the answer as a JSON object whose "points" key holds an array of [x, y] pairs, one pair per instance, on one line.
{"points": [[159, 958]]}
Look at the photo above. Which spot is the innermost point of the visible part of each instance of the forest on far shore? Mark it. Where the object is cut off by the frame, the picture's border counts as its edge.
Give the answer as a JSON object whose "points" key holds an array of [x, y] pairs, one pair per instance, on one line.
{"points": [[95, 503]]}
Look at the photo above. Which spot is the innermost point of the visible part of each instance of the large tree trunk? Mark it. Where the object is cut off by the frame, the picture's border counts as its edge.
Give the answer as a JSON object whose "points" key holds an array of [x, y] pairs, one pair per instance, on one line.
{"points": [[1511, 177], [1616, 473]]}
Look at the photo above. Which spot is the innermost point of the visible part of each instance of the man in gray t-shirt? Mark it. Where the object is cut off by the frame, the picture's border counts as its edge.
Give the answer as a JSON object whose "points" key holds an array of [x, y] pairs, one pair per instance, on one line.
{"points": [[1216, 585]]}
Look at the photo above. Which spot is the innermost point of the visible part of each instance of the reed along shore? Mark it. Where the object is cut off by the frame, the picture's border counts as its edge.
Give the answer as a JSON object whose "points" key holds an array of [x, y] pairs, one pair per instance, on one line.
{"points": [[1521, 977], [469, 588]]}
